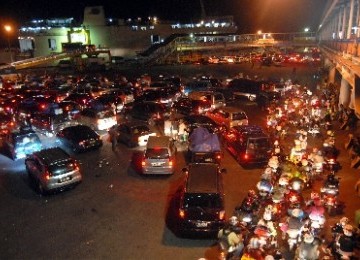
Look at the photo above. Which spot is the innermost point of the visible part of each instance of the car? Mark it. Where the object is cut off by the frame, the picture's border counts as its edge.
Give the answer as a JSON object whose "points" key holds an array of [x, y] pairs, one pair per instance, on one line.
{"points": [[187, 106], [150, 112], [216, 99], [246, 88], [7, 123], [52, 169], [80, 98], [202, 206], [21, 142], [228, 116], [159, 156], [101, 119], [249, 144], [79, 138], [193, 121], [268, 97], [133, 133]]}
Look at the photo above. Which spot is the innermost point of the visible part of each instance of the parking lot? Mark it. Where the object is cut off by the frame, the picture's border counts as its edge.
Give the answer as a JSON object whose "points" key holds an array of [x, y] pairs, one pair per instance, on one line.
{"points": [[118, 213]]}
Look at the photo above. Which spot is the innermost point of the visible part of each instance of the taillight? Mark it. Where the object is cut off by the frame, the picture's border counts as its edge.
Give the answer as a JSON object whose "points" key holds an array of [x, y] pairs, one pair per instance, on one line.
{"points": [[42, 106], [143, 163], [218, 156], [246, 156], [47, 175], [181, 213], [171, 163], [222, 215]]}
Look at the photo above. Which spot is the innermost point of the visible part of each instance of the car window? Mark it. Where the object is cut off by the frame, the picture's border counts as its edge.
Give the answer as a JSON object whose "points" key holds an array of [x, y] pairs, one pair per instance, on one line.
{"points": [[239, 116], [61, 168], [203, 200], [157, 153]]}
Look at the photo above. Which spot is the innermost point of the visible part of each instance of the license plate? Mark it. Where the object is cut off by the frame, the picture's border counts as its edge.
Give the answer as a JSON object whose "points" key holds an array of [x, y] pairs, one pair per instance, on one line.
{"points": [[201, 224], [67, 178], [156, 164]]}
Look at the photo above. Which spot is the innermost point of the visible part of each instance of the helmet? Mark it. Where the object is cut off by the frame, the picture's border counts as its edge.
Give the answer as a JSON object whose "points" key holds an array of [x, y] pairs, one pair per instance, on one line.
{"points": [[251, 193], [233, 221], [304, 162], [344, 221], [348, 230], [276, 143], [308, 238], [330, 133], [268, 170]]}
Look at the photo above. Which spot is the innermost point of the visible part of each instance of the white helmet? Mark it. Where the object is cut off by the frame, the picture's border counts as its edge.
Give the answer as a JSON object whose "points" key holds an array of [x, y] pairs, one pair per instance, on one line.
{"points": [[233, 221]]}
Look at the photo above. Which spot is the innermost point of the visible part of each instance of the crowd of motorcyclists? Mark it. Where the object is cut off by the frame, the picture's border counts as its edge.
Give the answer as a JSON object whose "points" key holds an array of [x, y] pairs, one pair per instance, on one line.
{"points": [[284, 216]]}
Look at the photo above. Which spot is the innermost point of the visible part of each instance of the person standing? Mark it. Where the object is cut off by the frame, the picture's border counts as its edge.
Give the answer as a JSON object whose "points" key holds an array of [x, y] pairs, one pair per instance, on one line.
{"points": [[113, 134]]}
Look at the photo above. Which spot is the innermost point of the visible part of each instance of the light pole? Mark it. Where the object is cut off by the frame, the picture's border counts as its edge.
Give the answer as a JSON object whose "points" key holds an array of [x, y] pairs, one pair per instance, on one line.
{"points": [[8, 30]]}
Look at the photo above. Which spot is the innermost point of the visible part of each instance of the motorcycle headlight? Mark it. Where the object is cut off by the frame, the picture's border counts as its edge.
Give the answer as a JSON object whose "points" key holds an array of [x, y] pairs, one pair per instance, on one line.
{"points": [[246, 219]]}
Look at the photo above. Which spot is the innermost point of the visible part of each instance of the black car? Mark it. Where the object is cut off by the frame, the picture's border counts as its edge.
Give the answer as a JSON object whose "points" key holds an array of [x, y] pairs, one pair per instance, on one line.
{"points": [[187, 106], [250, 145], [79, 138], [195, 121], [201, 208], [150, 112], [133, 133], [268, 97]]}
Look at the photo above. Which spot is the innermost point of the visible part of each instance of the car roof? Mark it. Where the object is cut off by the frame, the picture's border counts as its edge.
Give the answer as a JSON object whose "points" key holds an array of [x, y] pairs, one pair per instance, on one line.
{"points": [[251, 130], [202, 177], [158, 141], [52, 155]]}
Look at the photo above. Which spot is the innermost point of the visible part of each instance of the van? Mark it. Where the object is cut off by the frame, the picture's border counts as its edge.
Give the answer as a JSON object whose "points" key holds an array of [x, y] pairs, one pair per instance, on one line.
{"points": [[250, 145], [159, 156], [202, 205], [228, 116], [244, 88], [97, 119], [216, 99]]}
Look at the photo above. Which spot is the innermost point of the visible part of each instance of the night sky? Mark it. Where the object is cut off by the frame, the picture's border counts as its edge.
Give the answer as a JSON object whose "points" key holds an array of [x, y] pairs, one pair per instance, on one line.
{"points": [[250, 15]]}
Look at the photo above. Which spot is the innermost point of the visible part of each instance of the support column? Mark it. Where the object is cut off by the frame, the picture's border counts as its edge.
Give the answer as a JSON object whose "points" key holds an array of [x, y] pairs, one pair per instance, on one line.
{"points": [[345, 93], [357, 95], [338, 30], [343, 27], [332, 73], [350, 23]]}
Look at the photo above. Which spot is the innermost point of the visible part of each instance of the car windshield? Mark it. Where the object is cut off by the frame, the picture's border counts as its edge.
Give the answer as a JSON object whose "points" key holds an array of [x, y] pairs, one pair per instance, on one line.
{"points": [[203, 200], [62, 167], [257, 143], [156, 153], [239, 116]]}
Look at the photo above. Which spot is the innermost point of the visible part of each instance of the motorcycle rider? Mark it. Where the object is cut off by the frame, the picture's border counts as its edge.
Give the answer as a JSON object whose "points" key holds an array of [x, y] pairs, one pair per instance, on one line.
{"points": [[337, 230], [230, 238], [266, 221], [346, 243], [308, 248]]}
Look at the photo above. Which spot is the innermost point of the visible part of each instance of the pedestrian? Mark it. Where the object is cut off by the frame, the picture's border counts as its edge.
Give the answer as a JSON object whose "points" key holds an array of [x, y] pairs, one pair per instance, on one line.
{"points": [[113, 135]]}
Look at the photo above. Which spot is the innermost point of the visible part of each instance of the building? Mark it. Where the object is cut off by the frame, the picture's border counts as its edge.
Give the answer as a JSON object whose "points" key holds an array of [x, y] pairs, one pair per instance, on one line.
{"points": [[122, 37]]}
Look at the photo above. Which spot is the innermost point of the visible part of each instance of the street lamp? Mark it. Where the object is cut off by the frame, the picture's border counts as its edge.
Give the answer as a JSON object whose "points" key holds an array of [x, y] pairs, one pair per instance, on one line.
{"points": [[8, 30]]}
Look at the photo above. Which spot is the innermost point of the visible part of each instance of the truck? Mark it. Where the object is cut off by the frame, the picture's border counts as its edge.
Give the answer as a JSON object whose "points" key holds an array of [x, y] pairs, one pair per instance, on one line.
{"points": [[204, 147]]}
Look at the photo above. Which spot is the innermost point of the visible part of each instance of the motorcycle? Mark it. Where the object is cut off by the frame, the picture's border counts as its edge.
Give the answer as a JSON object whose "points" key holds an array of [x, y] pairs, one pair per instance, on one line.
{"points": [[329, 193]]}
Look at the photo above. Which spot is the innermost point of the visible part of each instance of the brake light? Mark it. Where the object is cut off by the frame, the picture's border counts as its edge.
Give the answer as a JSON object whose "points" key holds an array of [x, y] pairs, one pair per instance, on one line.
{"points": [[222, 215], [171, 163], [246, 156], [47, 175], [181, 213], [42, 106], [143, 163], [218, 156]]}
